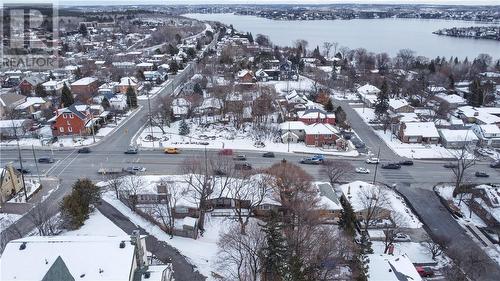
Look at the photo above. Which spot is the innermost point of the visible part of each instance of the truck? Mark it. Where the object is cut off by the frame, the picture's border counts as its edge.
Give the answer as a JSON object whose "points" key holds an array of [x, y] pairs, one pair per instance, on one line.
{"points": [[109, 171]]}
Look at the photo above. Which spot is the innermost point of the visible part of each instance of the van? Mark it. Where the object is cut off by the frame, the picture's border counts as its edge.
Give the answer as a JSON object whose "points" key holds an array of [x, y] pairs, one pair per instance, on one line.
{"points": [[171, 150]]}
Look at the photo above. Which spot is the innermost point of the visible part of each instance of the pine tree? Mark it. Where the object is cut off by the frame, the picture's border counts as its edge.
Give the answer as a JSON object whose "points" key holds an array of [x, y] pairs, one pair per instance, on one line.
{"points": [[173, 67], [131, 97], [197, 89], [348, 217], [105, 103], [77, 206], [67, 98], [83, 30], [340, 116], [382, 104], [184, 128], [366, 244], [275, 251], [475, 97], [329, 105]]}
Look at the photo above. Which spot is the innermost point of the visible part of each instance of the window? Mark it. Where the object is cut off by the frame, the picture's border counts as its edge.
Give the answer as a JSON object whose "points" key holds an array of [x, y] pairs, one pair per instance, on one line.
{"points": [[71, 116], [67, 123], [70, 129], [61, 129], [65, 116]]}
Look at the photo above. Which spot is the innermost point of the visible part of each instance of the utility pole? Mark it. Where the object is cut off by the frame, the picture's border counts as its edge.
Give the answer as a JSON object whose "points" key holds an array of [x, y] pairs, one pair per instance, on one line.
{"points": [[20, 160], [150, 120], [92, 123], [288, 137], [36, 164], [376, 166]]}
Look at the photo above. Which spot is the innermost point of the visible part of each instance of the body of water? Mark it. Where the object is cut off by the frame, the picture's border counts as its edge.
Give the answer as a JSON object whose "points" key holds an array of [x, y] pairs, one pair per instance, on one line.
{"points": [[375, 35]]}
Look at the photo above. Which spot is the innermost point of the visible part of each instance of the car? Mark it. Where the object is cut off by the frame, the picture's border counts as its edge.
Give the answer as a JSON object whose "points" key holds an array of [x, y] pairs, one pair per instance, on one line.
{"points": [[425, 271], [310, 161], [359, 144], [23, 170], [242, 166], [131, 150], [481, 174], [495, 164], [226, 152], [319, 157], [268, 155], [406, 163], [84, 150], [393, 166], [450, 165], [171, 150], [372, 160], [482, 152], [240, 157], [219, 172], [46, 159], [401, 237], [361, 170], [259, 144], [134, 169]]}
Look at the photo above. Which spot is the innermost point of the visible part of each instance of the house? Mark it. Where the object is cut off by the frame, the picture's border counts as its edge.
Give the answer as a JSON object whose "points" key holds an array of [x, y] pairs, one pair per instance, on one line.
{"points": [[385, 267], [118, 102], [489, 135], [29, 83], [354, 192], [400, 106], [261, 75], [316, 115], [10, 129], [32, 107], [155, 76], [70, 120], [180, 107], [368, 94], [11, 182], [292, 131], [486, 204], [125, 83], [295, 98], [70, 258], [457, 138], [320, 135], [453, 101], [479, 115], [245, 76], [418, 132], [84, 88], [53, 87], [331, 208], [9, 101]]}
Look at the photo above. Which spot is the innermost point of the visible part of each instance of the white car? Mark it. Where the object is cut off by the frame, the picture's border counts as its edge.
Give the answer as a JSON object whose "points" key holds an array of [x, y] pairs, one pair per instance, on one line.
{"points": [[372, 161], [361, 170]]}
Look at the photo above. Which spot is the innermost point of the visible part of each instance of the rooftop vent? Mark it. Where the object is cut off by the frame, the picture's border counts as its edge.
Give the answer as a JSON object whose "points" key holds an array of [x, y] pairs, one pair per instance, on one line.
{"points": [[122, 244], [147, 274], [23, 246]]}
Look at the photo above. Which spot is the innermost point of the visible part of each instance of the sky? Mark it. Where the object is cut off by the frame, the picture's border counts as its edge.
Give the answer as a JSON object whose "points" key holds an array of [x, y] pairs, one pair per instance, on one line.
{"points": [[137, 2]]}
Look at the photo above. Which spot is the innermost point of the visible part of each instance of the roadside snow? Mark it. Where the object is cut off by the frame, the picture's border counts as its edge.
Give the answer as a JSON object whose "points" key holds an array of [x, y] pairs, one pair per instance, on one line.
{"points": [[7, 219]]}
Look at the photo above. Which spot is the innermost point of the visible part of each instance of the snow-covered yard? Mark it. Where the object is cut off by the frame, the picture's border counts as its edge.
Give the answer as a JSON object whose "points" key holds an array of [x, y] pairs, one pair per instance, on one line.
{"points": [[97, 225], [32, 185], [219, 136], [7, 219], [417, 252], [304, 84]]}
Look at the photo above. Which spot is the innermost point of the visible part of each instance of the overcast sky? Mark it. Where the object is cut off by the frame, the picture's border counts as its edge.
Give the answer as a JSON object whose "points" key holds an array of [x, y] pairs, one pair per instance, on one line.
{"points": [[132, 2]]}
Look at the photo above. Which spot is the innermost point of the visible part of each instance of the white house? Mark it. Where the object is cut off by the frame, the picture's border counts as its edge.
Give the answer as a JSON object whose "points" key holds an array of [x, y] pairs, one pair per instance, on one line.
{"points": [[368, 94], [487, 134], [457, 138], [391, 268], [69, 258], [118, 102]]}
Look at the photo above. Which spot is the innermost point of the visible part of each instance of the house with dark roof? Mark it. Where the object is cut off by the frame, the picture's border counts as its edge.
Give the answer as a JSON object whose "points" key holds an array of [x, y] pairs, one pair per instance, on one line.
{"points": [[9, 101], [70, 121], [29, 83], [316, 115]]}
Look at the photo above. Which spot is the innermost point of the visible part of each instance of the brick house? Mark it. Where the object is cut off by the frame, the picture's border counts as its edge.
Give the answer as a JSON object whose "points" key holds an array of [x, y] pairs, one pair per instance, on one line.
{"points": [[28, 84], [245, 76], [316, 115], [84, 88], [418, 132], [320, 134], [125, 83], [400, 106], [70, 121]]}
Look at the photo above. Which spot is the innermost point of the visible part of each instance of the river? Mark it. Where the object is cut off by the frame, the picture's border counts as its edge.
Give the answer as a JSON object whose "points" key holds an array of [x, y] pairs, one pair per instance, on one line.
{"points": [[375, 35]]}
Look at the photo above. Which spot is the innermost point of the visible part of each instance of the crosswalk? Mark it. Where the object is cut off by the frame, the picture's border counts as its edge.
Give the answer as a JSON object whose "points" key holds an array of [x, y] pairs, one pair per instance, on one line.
{"points": [[396, 175]]}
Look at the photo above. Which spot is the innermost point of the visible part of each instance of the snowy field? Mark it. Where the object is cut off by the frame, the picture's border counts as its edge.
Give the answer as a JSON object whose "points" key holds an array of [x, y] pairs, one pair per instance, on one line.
{"points": [[220, 137]]}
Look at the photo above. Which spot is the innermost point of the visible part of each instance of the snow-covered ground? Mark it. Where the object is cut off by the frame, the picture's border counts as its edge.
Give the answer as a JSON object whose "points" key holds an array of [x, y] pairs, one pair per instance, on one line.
{"points": [[97, 225], [7, 219], [201, 252], [224, 137], [366, 113], [415, 251], [32, 185], [304, 84]]}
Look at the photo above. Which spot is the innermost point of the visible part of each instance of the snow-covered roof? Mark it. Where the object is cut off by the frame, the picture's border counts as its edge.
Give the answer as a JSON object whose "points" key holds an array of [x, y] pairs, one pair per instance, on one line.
{"points": [[86, 257], [314, 113], [328, 198], [128, 81], [382, 267], [368, 89], [458, 135], [243, 72], [436, 89], [144, 64], [490, 129], [84, 81], [320, 129], [408, 117], [424, 129], [397, 103], [31, 101], [12, 123], [292, 125], [451, 99]]}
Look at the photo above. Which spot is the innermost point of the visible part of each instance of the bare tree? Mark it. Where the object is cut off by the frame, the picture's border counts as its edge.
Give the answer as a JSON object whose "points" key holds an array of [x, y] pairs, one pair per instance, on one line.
{"points": [[374, 203], [327, 46], [464, 160], [130, 188], [44, 222], [336, 170], [240, 256], [436, 247], [114, 182]]}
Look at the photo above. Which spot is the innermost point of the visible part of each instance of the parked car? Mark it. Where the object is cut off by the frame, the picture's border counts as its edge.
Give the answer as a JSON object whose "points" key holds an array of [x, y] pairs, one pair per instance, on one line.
{"points": [[131, 150], [372, 160], [450, 165], [361, 170], [226, 152], [425, 271], [134, 169], [393, 166], [259, 144], [481, 174], [84, 150], [401, 237], [240, 157], [358, 144], [171, 150], [406, 163], [45, 159], [219, 172], [310, 161], [268, 155], [319, 157], [23, 170], [242, 166], [495, 164]]}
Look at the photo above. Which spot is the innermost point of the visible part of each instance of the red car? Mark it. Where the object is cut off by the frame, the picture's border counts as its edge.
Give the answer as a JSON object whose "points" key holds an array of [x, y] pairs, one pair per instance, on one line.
{"points": [[425, 271], [226, 152]]}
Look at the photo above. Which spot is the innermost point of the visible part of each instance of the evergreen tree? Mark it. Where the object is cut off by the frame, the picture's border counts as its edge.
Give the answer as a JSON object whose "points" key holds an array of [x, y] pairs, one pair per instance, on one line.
{"points": [[340, 116], [296, 269], [76, 207], [67, 98], [51, 75], [140, 75], [40, 91], [174, 67], [105, 103], [329, 105], [348, 218], [131, 97], [275, 250], [452, 82], [184, 128], [476, 94], [197, 89], [382, 104], [83, 30], [432, 67], [366, 244]]}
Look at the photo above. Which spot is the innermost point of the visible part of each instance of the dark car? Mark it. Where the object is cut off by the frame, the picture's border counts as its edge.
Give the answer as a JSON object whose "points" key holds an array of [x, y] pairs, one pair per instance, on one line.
{"points": [[268, 155], [24, 171], [310, 161], [495, 164], [242, 166], [219, 172], [240, 157], [393, 166], [481, 174], [450, 165], [359, 144], [84, 150], [406, 163], [131, 150], [45, 160]]}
